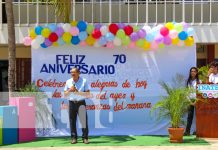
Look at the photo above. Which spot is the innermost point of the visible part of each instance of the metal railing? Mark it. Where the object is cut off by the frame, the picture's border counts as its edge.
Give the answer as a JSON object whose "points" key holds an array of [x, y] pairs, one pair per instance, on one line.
{"points": [[198, 12]]}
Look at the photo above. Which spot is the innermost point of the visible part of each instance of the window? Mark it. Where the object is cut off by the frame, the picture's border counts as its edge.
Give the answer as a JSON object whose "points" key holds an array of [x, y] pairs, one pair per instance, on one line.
{"points": [[3, 76], [23, 72]]}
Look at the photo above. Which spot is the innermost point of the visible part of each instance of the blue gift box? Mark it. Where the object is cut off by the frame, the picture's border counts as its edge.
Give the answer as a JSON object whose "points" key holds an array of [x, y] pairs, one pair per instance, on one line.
{"points": [[8, 125]]}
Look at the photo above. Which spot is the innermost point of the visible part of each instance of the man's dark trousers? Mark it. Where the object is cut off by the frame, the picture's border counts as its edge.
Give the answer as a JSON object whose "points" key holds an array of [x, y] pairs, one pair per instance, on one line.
{"points": [[78, 108]]}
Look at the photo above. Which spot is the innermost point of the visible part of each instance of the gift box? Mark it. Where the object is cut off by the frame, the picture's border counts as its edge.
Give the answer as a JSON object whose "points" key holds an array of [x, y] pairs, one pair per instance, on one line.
{"points": [[26, 117], [8, 125]]}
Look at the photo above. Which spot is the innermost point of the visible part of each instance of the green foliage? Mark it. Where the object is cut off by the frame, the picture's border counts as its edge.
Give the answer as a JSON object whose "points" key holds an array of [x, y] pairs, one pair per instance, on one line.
{"points": [[202, 72], [32, 90], [62, 7], [174, 105]]}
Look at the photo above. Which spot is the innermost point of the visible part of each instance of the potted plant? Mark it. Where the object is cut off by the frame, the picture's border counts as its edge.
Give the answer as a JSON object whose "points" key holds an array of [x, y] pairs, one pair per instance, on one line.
{"points": [[202, 72], [173, 107]]}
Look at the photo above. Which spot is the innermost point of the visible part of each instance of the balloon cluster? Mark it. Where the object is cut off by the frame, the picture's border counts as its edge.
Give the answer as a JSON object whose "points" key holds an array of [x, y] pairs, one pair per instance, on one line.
{"points": [[98, 35]]}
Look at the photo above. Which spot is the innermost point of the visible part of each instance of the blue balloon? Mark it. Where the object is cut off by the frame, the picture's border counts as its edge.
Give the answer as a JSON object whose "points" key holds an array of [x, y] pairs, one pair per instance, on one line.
{"points": [[43, 45], [190, 32], [109, 37], [82, 26], [52, 27], [154, 33], [174, 22], [38, 30], [183, 35], [61, 41], [83, 35], [75, 40], [149, 37], [102, 41]]}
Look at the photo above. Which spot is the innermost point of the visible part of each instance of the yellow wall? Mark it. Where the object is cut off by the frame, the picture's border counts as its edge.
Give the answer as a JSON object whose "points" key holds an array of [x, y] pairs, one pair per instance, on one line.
{"points": [[204, 54], [201, 55], [21, 52]]}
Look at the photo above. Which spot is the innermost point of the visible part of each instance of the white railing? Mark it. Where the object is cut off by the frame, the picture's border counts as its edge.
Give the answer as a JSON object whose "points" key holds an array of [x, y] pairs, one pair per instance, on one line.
{"points": [[198, 12]]}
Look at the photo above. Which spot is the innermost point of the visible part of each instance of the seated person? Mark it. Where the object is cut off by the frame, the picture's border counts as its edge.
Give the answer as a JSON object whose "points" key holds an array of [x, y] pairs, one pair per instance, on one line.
{"points": [[212, 76]]}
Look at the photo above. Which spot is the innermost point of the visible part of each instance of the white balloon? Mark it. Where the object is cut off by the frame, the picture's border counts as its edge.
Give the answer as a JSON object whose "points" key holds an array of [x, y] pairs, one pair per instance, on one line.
{"points": [[60, 24], [173, 34], [154, 29], [147, 28], [117, 41], [40, 39], [104, 30], [160, 26], [35, 44], [66, 27], [157, 28]]}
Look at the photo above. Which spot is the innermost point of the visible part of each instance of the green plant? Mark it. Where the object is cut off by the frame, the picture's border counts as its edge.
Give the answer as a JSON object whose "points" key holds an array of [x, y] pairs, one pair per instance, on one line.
{"points": [[32, 90], [44, 117], [174, 105], [62, 7], [202, 72]]}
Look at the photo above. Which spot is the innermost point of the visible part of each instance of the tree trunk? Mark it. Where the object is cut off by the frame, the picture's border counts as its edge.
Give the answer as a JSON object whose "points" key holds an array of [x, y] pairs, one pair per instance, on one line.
{"points": [[11, 46], [67, 11]]}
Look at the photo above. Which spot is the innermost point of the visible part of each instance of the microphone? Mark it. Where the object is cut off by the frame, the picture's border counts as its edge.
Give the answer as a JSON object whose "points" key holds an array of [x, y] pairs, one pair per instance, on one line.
{"points": [[74, 85]]}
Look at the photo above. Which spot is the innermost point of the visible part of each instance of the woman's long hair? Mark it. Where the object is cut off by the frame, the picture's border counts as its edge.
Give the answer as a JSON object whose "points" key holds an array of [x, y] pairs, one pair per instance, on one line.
{"points": [[190, 77]]}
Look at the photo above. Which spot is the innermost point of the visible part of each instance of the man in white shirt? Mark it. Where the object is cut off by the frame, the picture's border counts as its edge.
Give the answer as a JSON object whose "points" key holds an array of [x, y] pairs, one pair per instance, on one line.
{"points": [[77, 104], [213, 73]]}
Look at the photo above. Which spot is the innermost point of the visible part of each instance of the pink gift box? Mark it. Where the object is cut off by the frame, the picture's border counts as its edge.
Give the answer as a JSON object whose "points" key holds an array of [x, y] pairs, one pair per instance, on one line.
{"points": [[26, 117]]}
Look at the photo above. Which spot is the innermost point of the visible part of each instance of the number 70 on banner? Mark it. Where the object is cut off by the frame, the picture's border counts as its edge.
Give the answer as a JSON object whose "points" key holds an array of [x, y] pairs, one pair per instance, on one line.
{"points": [[120, 59]]}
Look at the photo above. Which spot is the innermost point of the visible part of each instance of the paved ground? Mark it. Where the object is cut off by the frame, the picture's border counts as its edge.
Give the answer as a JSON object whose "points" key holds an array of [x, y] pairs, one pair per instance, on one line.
{"points": [[213, 146]]}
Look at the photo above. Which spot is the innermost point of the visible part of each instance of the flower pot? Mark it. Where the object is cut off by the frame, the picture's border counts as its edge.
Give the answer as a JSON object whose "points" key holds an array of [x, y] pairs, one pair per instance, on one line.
{"points": [[176, 135]]}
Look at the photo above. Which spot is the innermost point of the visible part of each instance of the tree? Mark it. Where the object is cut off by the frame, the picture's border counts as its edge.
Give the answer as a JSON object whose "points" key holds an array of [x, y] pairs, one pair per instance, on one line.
{"points": [[11, 46], [62, 7]]}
